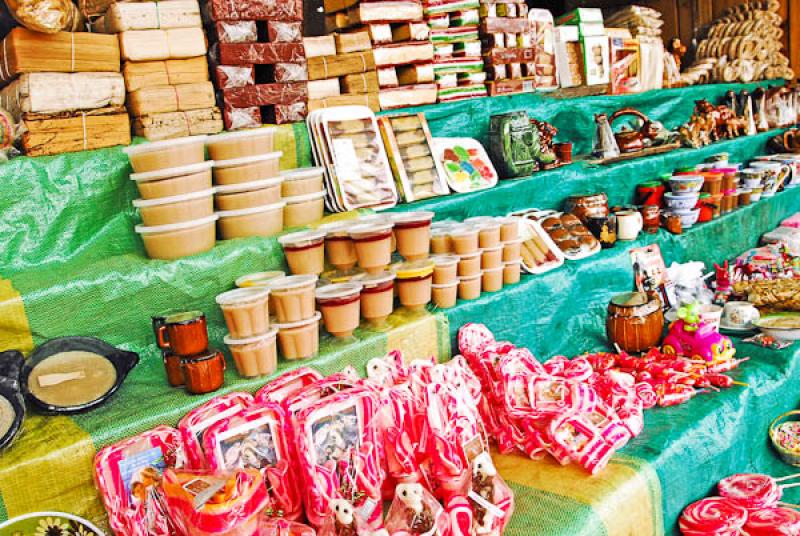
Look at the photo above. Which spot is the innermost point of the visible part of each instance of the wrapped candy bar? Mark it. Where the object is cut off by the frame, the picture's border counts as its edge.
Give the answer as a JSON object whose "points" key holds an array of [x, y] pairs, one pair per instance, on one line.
{"points": [[284, 31], [197, 421], [164, 73], [263, 94], [291, 10], [230, 76], [46, 16], [161, 126], [123, 16], [256, 438], [290, 72], [128, 475], [244, 31], [150, 45], [178, 98], [236, 118], [287, 385], [204, 504], [415, 512], [259, 53]]}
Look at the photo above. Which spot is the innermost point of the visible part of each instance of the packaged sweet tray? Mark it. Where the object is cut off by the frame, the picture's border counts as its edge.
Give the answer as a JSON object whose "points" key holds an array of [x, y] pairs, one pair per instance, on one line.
{"points": [[418, 174], [539, 253], [287, 385], [194, 425], [347, 142], [466, 165], [574, 240]]}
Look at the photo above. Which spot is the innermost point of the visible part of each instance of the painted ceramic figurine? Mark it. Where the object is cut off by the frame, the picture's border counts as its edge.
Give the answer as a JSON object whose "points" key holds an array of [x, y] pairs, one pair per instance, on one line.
{"points": [[691, 337]]}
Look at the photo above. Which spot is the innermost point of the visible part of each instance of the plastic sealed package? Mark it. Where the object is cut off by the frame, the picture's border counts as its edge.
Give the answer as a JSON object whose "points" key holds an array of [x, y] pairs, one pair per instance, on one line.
{"points": [[542, 29], [415, 512], [237, 31], [200, 419], [129, 475], [466, 165], [256, 438], [276, 526], [208, 504], [491, 499], [287, 385]]}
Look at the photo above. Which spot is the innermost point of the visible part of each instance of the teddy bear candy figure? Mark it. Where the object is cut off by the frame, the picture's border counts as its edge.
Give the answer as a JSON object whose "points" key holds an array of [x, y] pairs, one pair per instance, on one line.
{"points": [[345, 521], [491, 498], [415, 512]]}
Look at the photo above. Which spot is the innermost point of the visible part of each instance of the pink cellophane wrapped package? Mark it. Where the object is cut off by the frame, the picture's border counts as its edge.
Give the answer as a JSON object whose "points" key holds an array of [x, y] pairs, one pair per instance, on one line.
{"points": [[276, 526], [492, 500], [340, 452], [197, 421], [221, 504], [256, 438], [415, 512], [287, 385], [128, 475]]}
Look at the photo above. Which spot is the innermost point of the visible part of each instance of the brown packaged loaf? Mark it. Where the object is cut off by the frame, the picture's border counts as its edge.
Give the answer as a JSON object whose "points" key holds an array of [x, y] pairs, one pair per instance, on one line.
{"points": [[360, 83], [124, 16], [82, 131], [168, 125], [343, 64], [46, 16], [178, 98], [369, 100], [24, 51], [153, 45], [164, 73], [352, 42]]}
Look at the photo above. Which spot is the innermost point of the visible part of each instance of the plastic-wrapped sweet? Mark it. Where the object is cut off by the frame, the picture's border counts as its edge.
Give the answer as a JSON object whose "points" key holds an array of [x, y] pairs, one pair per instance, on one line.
{"points": [[208, 504], [256, 438], [415, 512], [277, 526], [197, 421], [491, 498], [287, 385], [128, 475]]}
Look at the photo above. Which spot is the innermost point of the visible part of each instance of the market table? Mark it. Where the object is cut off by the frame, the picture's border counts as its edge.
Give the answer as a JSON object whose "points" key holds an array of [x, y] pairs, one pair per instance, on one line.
{"points": [[72, 265]]}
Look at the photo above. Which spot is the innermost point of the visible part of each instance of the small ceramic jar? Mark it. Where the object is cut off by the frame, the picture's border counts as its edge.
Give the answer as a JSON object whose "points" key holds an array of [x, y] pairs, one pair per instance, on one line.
{"points": [[184, 333], [305, 252], [204, 372], [413, 282], [340, 305]]}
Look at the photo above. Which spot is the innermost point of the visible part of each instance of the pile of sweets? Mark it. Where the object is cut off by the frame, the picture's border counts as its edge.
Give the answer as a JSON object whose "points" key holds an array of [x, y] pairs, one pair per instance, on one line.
{"points": [[578, 410], [747, 504], [327, 450], [258, 61], [163, 45], [744, 45]]}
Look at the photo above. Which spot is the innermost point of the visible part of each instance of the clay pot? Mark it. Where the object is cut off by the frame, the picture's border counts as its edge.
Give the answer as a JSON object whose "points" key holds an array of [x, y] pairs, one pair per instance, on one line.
{"points": [[635, 321]]}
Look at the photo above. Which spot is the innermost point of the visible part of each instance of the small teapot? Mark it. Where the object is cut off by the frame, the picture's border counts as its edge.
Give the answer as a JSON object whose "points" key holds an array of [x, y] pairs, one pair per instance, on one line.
{"points": [[632, 140]]}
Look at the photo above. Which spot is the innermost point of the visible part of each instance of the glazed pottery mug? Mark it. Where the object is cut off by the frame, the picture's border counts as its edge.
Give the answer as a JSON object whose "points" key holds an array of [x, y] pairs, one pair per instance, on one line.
{"points": [[604, 228], [740, 314], [184, 333], [774, 175], [651, 218], [629, 224]]}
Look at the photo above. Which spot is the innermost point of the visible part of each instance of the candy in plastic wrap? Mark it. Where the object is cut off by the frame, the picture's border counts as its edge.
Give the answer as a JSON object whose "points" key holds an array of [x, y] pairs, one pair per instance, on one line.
{"points": [[128, 475], [343, 520], [244, 31], [415, 512], [290, 72], [238, 118], [284, 32], [230, 76], [491, 498], [222, 504], [256, 438], [276, 526], [287, 385], [194, 425], [46, 16]]}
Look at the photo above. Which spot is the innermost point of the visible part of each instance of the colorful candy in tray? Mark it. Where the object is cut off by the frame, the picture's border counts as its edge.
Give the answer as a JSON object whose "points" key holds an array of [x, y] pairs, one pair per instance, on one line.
{"points": [[466, 165]]}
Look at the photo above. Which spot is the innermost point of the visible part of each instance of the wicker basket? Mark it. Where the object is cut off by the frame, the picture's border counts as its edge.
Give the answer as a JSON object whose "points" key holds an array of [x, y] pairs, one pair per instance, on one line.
{"points": [[792, 458]]}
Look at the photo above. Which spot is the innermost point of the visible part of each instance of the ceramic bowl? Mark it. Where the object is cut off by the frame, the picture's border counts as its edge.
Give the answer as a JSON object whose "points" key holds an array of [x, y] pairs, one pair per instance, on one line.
{"points": [[686, 184], [11, 364], [681, 202], [122, 360], [49, 523], [688, 217]]}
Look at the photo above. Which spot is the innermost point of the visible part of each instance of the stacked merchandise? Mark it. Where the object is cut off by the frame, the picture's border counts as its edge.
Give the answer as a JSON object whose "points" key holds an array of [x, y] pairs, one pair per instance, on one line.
{"points": [[582, 32], [66, 89], [743, 45], [166, 76], [258, 61], [644, 24], [542, 30], [401, 47], [508, 47], [458, 65], [341, 71]]}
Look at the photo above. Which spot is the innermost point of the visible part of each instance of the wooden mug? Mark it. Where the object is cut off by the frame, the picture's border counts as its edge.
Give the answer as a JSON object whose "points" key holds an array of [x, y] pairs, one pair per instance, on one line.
{"points": [[184, 334]]}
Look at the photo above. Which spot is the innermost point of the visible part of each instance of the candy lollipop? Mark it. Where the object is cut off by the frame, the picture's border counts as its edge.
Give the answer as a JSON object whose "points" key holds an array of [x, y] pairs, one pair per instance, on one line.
{"points": [[773, 522], [754, 491], [714, 516]]}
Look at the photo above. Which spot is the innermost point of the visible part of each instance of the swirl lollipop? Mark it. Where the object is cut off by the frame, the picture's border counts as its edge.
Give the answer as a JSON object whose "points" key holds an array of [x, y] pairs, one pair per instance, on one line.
{"points": [[754, 491], [773, 522], [714, 516]]}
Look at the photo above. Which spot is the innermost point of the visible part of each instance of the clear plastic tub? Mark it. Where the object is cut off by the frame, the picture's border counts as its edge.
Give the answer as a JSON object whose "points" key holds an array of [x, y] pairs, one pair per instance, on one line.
{"points": [[248, 194], [299, 340], [246, 311], [257, 221], [166, 154], [340, 305], [304, 251], [241, 143], [293, 297], [304, 209], [173, 181], [179, 239], [302, 181], [247, 169], [255, 356], [176, 209]]}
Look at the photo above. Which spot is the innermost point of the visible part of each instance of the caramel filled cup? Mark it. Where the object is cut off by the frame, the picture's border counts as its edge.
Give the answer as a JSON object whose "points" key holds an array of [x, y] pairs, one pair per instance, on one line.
{"points": [[260, 279], [266, 220], [445, 269], [246, 311], [511, 272], [377, 298], [293, 297], [512, 251], [492, 257], [241, 143], [166, 154], [302, 181], [373, 243], [339, 247], [379, 218], [178, 240], [305, 252], [509, 228], [469, 288], [488, 231], [412, 230], [470, 264], [248, 194], [414, 280], [173, 181], [299, 340], [492, 280], [176, 209], [247, 169], [464, 239], [303, 209], [444, 296], [254, 356], [340, 305]]}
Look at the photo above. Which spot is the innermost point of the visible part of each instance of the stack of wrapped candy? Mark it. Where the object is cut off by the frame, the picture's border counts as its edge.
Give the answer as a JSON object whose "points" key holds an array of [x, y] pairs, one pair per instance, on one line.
{"points": [[401, 47], [508, 47], [457, 65], [341, 71], [258, 61], [578, 410], [67, 90], [163, 46]]}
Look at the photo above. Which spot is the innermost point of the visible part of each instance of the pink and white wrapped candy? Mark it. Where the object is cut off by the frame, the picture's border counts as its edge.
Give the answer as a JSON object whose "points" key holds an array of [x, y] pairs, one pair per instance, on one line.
{"points": [[776, 521], [277, 526], [287, 385], [256, 438], [197, 421], [750, 490], [128, 475], [713, 516]]}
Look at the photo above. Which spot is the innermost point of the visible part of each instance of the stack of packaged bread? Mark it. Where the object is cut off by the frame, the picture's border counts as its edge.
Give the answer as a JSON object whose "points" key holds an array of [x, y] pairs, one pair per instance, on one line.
{"points": [[163, 45]]}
